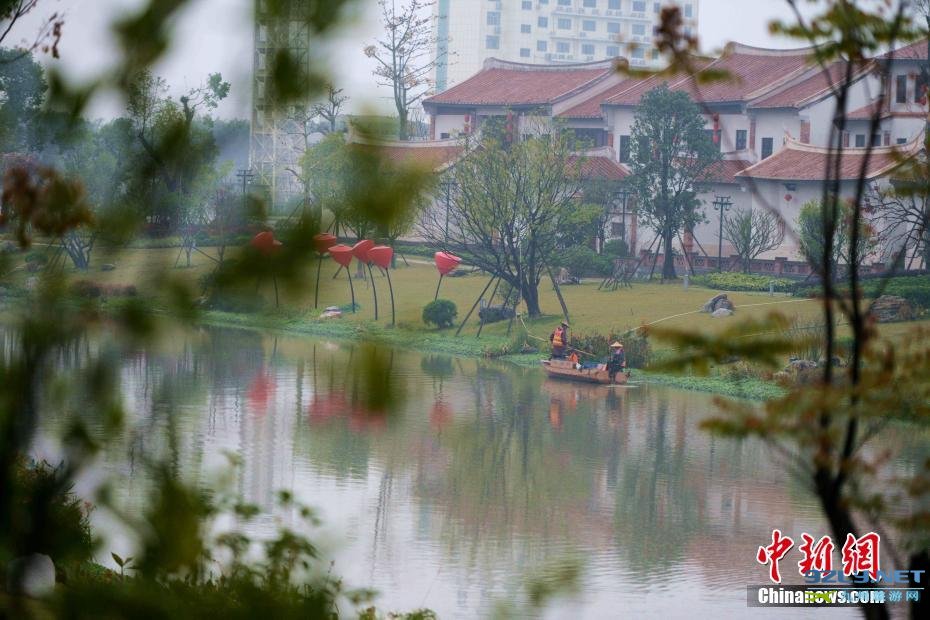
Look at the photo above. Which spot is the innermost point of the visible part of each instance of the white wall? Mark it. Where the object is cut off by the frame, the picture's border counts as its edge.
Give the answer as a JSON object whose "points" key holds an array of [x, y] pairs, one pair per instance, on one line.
{"points": [[773, 124]]}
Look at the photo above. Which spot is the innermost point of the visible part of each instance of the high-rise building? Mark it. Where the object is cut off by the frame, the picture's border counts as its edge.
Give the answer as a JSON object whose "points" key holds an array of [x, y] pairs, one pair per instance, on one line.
{"points": [[546, 32]]}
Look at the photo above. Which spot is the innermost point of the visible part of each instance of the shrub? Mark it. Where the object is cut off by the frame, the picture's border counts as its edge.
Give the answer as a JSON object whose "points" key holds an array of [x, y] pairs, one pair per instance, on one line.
{"points": [[55, 518], [915, 289], [582, 261], [635, 346], [37, 256], [730, 281], [616, 248], [440, 313]]}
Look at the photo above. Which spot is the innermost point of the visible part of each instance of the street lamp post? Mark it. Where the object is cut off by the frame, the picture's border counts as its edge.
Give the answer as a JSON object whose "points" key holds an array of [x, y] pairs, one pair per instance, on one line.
{"points": [[721, 204]]}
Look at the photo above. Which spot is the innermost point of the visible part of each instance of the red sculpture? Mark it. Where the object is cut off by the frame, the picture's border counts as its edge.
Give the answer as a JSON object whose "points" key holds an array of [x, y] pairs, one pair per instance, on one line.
{"points": [[360, 249], [446, 262], [265, 243], [342, 254], [381, 256], [323, 242]]}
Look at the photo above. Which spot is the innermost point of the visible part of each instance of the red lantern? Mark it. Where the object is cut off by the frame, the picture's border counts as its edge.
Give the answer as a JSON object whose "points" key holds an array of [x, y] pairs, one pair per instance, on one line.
{"points": [[265, 243], [360, 249], [788, 197], [323, 242], [446, 262], [342, 254], [381, 256]]}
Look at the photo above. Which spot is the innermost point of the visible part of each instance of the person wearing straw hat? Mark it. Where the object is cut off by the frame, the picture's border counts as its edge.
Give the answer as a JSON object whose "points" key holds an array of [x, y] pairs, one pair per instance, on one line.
{"points": [[617, 361]]}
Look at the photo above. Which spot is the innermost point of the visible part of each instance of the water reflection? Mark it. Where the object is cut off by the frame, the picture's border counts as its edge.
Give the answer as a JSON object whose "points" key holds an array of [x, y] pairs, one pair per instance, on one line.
{"points": [[445, 490]]}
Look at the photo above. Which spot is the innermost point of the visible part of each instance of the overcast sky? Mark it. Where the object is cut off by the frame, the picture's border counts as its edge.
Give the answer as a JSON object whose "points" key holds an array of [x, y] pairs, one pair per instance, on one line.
{"points": [[216, 35]]}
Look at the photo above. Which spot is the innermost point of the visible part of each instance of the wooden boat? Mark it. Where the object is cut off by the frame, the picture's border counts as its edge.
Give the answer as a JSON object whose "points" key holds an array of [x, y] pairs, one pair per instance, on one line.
{"points": [[564, 369]]}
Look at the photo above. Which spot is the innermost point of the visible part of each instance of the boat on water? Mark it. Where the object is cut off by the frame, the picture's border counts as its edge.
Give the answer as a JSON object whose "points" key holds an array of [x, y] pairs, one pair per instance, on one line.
{"points": [[594, 373]]}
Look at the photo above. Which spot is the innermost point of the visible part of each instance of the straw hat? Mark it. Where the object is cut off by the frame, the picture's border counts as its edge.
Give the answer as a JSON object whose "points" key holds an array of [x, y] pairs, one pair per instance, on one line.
{"points": [[565, 323], [616, 344]]}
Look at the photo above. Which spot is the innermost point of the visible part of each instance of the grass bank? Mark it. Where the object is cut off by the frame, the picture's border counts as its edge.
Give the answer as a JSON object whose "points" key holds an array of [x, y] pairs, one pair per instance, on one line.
{"points": [[592, 311]]}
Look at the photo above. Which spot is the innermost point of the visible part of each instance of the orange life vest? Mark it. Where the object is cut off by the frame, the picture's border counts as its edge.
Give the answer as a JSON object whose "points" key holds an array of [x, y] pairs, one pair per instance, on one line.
{"points": [[558, 337]]}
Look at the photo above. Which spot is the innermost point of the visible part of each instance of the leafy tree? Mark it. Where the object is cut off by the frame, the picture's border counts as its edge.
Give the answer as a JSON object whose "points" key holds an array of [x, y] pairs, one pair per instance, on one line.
{"points": [[813, 222], [511, 210], [405, 55], [752, 233], [670, 153], [22, 94]]}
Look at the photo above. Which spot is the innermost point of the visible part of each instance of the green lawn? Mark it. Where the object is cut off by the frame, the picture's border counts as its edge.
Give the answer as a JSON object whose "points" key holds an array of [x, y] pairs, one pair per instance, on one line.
{"points": [[592, 311]]}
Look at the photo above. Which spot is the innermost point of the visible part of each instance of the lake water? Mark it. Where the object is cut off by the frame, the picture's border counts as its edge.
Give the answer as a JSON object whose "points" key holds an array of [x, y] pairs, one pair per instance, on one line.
{"points": [[479, 475]]}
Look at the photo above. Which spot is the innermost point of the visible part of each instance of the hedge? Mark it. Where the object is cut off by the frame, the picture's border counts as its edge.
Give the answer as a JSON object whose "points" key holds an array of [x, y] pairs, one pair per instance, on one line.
{"points": [[915, 289], [731, 281]]}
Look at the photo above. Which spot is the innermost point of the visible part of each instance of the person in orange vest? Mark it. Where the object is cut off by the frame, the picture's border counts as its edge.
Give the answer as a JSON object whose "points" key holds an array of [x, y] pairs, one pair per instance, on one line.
{"points": [[574, 359], [559, 340]]}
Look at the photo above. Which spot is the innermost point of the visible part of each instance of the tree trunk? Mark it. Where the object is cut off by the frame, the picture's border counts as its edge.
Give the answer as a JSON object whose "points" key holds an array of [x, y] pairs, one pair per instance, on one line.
{"points": [[531, 298], [402, 125], [668, 266]]}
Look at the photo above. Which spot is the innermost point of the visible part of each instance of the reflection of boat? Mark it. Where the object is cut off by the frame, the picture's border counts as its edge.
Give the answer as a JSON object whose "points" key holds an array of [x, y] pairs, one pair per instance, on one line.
{"points": [[597, 373]]}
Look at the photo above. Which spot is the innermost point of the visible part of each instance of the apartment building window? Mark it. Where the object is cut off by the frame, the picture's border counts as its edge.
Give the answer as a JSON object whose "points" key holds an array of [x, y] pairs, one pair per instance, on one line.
{"points": [[542, 46], [876, 139], [543, 22], [624, 149], [591, 4], [565, 2], [526, 28], [589, 25], [688, 10], [920, 88], [587, 49], [639, 53], [492, 42], [564, 23], [741, 135], [613, 5], [900, 85], [527, 5], [657, 8], [902, 140], [494, 18], [768, 146], [639, 29], [613, 27], [613, 51], [639, 6], [544, 1], [860, 140], [562, 47], [524, 52]]}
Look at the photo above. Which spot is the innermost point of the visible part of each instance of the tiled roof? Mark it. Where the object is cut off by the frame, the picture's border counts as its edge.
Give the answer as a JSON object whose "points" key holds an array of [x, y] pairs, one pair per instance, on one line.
{"points": [[866, 113], [429, 155], [725, 171], [591, 107], [914, 51], [513, 84], [753, 72], [801, 162], [600, 165], [812, 88]]}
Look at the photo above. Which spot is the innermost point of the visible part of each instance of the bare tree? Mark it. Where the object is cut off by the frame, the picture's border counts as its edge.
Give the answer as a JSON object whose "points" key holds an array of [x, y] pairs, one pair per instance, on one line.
{"points": [[330, 109], [46, 38], [405, 55], [752, 233], [900, 215]]}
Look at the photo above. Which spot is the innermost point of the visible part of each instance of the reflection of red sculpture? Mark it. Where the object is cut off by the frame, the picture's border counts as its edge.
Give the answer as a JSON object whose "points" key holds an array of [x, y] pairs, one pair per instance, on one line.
{"points": [[445, 263], [440, 415], [323, 242], [331, 407], [260, 392], [265, 243], [325, 408], [381, 256], [555, 415]]}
